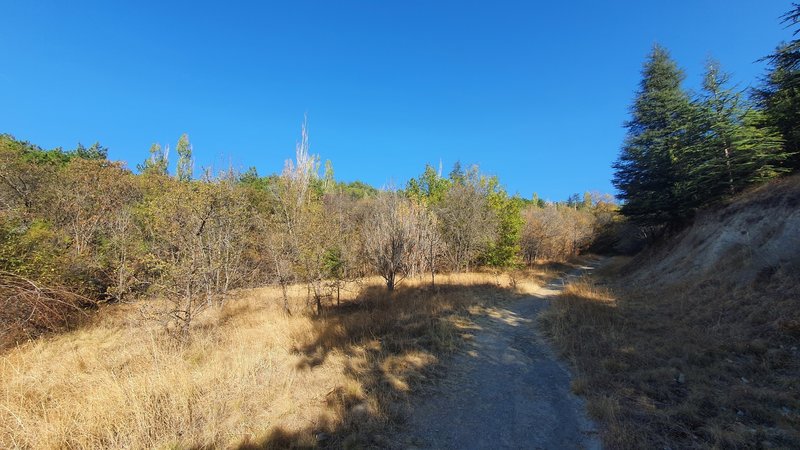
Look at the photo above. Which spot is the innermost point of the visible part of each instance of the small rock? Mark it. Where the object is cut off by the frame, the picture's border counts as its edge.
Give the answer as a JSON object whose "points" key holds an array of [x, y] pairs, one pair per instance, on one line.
{"points": [[744, 380], [681, 378], [739, 412]]}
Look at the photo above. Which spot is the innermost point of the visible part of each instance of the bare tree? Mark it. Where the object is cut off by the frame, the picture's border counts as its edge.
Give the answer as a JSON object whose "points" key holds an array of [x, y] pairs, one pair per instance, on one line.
{"points": [[467, 224], [299, 243], [555, 232], [431, 246], [391, 236]]}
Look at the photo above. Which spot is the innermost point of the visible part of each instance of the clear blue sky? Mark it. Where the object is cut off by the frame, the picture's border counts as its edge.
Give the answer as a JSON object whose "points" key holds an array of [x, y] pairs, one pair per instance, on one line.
{"points": [[534, 92]]}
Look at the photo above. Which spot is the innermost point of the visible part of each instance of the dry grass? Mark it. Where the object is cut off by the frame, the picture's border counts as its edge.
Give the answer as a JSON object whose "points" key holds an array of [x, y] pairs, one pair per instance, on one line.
{"points": [[250, 377], [706, 364]]}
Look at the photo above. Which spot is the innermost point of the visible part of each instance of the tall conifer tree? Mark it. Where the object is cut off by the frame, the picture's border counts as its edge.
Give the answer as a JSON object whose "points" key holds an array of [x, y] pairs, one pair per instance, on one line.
{"points": [[649, 171], [737, 147], [780, 94]]}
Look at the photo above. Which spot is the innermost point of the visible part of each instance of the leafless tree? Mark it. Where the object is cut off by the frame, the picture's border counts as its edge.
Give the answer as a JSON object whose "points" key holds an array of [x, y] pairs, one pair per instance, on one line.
{"points": [[555, 232], [467, 224], [391, 236]]}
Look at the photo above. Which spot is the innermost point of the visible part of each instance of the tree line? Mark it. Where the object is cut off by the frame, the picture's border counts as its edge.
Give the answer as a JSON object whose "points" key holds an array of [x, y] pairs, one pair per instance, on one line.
{"points": [[684, 151], [75, 222]]}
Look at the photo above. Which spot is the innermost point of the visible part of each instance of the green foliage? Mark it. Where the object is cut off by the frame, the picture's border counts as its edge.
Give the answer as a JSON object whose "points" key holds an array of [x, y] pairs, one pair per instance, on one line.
{"points": [[333, 263], [33, 250], [356, 189], [96, 151], [649, 172], [429, 189], [737, 149], [56, 157], [504, 252], [185, 165], [779, 96], [681, 153], [156, 164]]}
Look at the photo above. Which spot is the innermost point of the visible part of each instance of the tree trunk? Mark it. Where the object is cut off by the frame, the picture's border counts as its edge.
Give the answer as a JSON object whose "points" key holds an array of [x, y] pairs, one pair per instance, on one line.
{"points": [[730, 172], [285, 300], [390, 282]]}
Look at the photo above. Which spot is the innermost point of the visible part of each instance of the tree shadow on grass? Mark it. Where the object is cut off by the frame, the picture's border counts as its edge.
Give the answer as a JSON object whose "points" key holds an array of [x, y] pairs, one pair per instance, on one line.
{"points": [[392, 342]]}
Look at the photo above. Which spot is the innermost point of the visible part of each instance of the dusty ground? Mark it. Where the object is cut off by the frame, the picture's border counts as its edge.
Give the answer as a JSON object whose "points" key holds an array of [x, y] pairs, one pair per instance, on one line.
{"points": [[506, 389]]}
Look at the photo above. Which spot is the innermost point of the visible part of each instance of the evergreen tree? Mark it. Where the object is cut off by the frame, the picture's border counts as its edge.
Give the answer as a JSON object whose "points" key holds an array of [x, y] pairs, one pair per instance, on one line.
{"points": [[250, 176], [504, 251], [780, 94], [185, 165], [429, 189], [649, 171], [737, 148], [96, 151]]}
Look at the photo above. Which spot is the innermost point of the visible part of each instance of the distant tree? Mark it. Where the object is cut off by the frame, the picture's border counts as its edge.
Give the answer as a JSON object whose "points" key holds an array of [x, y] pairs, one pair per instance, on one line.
{"points": [[457, 174], [250, 176], [185, 165], [328, 179], [96, 151], [648, 172], [157, 163], [357, 189], [587, 200], [538, 201], [430, 188]]}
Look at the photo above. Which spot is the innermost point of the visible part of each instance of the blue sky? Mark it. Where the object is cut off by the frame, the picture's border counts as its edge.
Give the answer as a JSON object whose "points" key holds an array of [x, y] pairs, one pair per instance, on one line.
{"points": [[533, 92]]}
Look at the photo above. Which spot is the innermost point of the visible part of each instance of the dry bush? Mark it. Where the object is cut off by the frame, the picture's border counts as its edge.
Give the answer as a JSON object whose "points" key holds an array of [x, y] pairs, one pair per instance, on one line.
{"points": [[555, 232], [690, 366], [250, 377], [30, 309]]}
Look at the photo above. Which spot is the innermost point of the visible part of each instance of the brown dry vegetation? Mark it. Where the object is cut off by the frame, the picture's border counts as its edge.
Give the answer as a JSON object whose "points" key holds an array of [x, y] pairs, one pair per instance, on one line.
{"points": [[703, 353], [251, 377]]}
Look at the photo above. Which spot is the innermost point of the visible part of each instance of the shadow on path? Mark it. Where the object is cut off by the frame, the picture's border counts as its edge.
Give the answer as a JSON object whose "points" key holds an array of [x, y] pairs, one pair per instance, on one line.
{"points": [[506, 388]]}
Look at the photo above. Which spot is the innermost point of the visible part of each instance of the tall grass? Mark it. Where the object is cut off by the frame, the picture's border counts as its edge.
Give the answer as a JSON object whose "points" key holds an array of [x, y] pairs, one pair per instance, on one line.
{"points": [[693, 366]]}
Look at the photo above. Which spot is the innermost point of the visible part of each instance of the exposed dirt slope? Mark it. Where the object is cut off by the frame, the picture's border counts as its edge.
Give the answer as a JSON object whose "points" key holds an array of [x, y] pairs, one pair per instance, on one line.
{"points": [[695, 343], [748, 241]]}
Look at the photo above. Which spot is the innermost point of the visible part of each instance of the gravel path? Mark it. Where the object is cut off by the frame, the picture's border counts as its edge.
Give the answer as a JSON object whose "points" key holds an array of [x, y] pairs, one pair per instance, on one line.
{"points": [[505, 390]]}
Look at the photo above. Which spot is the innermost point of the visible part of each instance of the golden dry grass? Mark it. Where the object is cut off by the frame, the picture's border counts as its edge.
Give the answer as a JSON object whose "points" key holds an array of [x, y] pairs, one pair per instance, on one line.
{"points": [[250, 376], [697, 365]]}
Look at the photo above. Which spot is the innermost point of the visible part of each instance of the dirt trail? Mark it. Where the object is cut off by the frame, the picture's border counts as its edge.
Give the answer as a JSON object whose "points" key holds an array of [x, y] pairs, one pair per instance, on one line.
{"points": [[506, 389]]}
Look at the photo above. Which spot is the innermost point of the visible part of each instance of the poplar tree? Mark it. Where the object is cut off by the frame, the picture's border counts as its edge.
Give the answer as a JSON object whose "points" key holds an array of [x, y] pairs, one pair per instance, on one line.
{"points": [[184, 168]]}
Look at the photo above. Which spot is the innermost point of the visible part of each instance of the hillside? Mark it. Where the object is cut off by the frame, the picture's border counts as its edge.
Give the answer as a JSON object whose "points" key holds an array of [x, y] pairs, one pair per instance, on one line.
{"points": [[694, 342], [751, 240]]}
